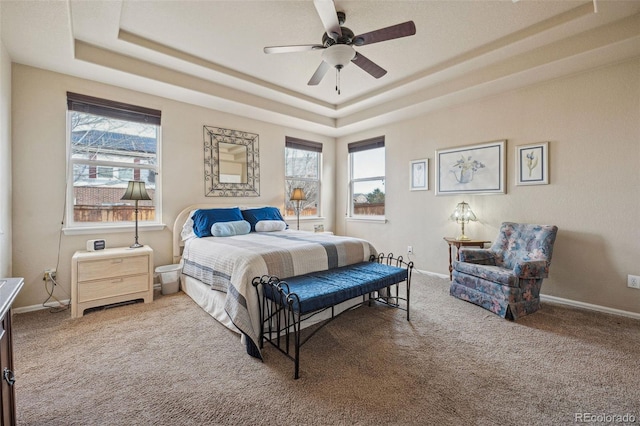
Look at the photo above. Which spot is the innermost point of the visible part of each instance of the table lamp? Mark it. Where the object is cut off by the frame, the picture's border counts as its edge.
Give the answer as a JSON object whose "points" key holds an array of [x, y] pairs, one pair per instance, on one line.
{"points": [[463, 214], [136, 191], [298, 195]]}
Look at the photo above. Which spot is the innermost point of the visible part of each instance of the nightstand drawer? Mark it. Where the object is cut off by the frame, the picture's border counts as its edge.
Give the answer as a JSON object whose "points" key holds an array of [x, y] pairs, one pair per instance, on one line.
{"points": [[95, 290], [114, 267]]}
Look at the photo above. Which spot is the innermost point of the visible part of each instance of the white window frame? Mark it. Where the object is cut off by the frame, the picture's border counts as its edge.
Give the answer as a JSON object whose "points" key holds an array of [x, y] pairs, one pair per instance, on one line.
{"points": [[303, 145], [373, 143], [78, 228]]}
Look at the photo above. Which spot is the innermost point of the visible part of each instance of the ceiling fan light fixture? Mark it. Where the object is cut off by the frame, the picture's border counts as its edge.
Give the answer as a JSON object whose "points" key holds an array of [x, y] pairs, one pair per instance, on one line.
{"points": [[338, 43], [338, 55]]}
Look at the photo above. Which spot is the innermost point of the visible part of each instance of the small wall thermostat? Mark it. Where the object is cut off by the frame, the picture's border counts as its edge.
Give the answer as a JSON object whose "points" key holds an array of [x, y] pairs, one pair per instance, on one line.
{"points": [[93, 245]]}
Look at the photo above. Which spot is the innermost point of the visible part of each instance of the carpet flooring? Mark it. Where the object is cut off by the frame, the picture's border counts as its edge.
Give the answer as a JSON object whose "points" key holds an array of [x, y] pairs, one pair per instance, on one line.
{"points": [[170, 363]]}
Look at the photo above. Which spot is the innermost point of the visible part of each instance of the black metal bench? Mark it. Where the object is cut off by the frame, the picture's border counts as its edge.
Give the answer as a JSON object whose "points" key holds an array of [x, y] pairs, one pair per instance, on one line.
{"points": [[286, 303]]}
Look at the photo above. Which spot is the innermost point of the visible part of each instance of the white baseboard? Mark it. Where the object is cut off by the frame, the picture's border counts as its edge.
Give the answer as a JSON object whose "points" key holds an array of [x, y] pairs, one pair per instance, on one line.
{"points": [[38, 307], [599, 308], [561, 301], [23, 309], [433, 274]]}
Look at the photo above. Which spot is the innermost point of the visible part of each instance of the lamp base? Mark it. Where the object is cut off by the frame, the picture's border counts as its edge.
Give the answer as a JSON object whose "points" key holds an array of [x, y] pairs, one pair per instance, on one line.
{"points": [[136, 245], [463, 238]]}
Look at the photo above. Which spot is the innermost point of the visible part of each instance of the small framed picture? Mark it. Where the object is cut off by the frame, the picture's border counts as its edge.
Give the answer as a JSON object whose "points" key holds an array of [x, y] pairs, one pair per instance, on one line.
{"points": [[419, 175], [532, 164]]}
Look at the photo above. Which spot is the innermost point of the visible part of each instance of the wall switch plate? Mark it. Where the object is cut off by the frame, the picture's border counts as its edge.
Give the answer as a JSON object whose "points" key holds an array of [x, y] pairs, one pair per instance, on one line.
{"points": [[633, 281], [409, 249]]}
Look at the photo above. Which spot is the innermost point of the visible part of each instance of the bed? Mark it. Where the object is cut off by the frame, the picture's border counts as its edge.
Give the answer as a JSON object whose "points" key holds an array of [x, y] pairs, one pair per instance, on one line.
{"points": [[217, 271]]}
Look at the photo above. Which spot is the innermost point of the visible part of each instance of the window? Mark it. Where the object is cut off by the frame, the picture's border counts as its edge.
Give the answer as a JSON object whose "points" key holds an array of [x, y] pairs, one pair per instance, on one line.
{"points": [[105, 172], [302, 170], [110, 143], [367, 175]]}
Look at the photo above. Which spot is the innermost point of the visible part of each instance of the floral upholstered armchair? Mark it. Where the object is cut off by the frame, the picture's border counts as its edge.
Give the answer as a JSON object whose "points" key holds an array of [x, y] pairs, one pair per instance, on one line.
{"points": [[507, 277]]}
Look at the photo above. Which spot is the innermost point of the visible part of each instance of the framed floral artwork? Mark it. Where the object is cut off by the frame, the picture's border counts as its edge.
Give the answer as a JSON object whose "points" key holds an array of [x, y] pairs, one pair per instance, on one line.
{"points": [[419, 175], [532, 164], [472, 169]]}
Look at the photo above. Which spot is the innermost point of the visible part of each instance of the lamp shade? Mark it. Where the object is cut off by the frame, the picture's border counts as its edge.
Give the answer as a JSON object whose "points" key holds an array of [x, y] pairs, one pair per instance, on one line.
{"points": [[136, 191], [298, 195], [338, 55], [463, 213]]}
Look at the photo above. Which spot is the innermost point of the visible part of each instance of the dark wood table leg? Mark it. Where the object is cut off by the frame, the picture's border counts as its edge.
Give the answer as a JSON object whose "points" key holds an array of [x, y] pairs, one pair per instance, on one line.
{"points": [[450, 263]]}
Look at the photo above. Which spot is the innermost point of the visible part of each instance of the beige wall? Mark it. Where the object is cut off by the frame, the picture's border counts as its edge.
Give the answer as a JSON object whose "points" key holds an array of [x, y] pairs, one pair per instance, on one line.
{"points": [[39, 150], [592, 123], [5, 162]]}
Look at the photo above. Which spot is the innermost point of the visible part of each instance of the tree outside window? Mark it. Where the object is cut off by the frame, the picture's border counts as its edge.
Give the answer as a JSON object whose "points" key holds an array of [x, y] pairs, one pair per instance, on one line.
{"points": [[302, 170], [109, 146], [367, 177]]}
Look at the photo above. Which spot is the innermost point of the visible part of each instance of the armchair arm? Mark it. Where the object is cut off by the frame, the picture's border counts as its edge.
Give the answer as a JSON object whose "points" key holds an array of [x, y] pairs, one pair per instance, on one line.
{"points": [[531, 269], [477, 255]]}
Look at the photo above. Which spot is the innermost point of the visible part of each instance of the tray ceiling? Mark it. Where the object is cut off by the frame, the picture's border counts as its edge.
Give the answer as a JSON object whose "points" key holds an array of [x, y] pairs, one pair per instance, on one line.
{"points": [[210, 53]]}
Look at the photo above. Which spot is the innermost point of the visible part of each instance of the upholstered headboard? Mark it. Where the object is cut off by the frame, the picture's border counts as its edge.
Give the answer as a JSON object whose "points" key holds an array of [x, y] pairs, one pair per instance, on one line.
{"points": [[182, 217]]}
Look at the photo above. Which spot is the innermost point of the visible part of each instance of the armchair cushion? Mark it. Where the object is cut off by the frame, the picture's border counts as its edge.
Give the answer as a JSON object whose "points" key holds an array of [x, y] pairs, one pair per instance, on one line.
{"points": [[490, 273], [483, 268], [477, 255]]}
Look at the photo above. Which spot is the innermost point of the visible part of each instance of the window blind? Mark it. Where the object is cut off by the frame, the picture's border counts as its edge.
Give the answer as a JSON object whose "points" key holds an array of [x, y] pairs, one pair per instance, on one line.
{"points": [[112, 109], [377, 142], [296, 143]]}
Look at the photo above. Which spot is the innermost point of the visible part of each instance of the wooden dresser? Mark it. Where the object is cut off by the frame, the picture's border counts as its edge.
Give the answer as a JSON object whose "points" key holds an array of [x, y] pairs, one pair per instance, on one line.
{"points": [[9, 289], [109, 276]]}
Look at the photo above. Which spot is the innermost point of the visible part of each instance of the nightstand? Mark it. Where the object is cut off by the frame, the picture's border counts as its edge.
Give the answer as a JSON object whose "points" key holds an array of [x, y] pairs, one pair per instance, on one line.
{"points": [[109, 276]]}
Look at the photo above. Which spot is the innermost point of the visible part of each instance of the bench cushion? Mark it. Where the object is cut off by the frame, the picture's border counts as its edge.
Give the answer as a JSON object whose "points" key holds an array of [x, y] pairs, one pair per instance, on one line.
{"points": [[319, 290]]}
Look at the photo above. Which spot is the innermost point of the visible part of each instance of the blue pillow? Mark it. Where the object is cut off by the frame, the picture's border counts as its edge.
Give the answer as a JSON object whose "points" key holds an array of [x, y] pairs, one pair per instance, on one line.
{"points": [[229, 229], [204, 219], [253, 216]]}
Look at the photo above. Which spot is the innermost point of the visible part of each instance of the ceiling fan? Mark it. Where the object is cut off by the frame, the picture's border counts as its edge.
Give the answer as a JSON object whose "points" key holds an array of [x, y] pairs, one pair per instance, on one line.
{"points": [[338, 41]]}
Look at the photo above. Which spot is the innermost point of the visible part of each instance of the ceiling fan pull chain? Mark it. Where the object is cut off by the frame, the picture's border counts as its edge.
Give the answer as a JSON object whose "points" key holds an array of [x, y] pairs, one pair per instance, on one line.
{"points": [[338, 80]]}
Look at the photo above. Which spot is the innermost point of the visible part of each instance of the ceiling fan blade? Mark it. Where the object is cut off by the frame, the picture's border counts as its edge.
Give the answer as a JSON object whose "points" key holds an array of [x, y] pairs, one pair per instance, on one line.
{"points": [[290, 49], [320, 72], [389, 33], [329, 17], [369, 66]]}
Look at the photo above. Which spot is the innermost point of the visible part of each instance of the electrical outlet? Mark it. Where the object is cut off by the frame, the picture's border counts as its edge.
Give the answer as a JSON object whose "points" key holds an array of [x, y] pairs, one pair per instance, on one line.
{"points": [[409, 249], [633, 281], [49, 274]]}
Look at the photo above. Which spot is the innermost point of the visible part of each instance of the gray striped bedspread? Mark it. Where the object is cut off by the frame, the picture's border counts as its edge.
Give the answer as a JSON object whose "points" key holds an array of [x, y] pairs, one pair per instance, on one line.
{"points": [[229, 264]]}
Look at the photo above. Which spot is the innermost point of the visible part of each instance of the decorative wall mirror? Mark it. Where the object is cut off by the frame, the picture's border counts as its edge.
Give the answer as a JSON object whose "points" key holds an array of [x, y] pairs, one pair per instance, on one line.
{"points": [[231, 163]]}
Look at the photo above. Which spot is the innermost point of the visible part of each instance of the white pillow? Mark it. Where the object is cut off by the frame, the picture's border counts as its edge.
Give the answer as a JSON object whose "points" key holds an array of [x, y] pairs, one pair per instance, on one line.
{"points": [[270, 225], [187, 228]]}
